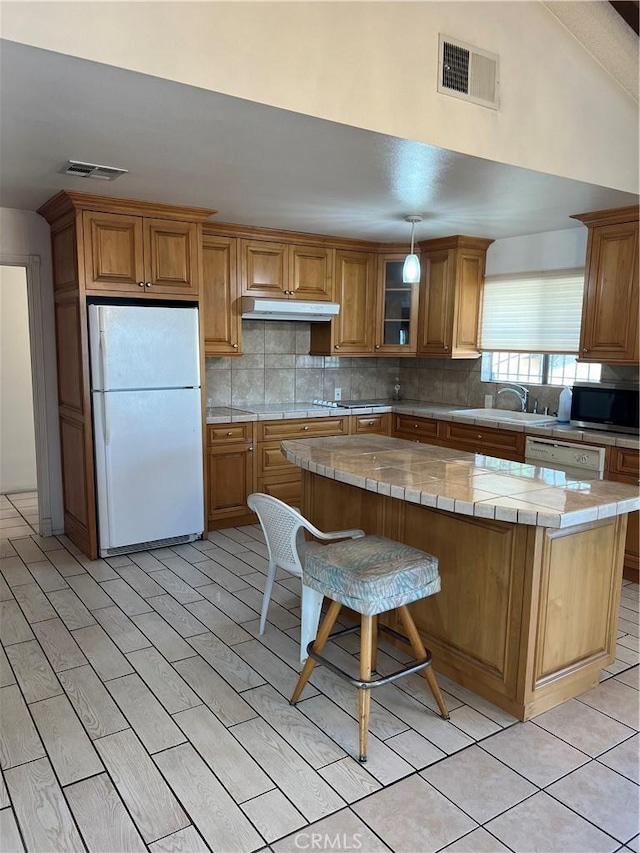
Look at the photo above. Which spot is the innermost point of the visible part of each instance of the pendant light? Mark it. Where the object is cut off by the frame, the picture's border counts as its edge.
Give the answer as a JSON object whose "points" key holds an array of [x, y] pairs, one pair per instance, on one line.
{"points": [[411, 267]]}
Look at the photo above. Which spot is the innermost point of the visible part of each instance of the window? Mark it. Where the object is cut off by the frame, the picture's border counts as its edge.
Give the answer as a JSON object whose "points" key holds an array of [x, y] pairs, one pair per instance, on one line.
{"points": [[532, 312], [537, 368], [531, 328]]}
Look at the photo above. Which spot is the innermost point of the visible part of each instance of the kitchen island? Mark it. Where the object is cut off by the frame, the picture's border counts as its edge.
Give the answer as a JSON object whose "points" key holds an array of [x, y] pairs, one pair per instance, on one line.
{"points": [[530, 558]]}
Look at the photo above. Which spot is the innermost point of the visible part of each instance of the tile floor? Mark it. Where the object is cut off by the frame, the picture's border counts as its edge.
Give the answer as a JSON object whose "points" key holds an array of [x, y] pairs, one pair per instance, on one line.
{"points": [[141, 711]]}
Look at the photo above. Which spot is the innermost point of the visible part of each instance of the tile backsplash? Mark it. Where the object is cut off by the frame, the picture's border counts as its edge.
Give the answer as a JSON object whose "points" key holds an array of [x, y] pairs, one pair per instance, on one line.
{"points": [[276, 368]]}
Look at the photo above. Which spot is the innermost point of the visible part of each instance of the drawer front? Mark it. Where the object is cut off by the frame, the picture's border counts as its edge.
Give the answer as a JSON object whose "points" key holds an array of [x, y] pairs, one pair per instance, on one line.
{"points": [[625, 461], [307, 428], [287, 490], [483, 440], [370, 424], [219, 433], [272, 461], [407, 426]]}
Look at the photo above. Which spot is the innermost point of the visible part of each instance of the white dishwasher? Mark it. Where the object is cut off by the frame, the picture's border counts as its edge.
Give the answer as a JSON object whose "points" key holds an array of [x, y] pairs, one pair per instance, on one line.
{"points": [[585, 461]]}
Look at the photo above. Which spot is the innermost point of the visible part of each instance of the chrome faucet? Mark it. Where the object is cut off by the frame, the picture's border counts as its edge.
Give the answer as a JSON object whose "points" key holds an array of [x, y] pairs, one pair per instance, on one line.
{"points": [[521, 393]]}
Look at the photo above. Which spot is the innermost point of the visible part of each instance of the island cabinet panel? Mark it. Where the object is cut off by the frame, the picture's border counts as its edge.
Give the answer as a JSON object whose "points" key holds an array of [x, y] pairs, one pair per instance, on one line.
{"points": [[352, 332], [624, 466], [506, 444], [526, 616], [480, 566], [572, 625], [219, 301]]}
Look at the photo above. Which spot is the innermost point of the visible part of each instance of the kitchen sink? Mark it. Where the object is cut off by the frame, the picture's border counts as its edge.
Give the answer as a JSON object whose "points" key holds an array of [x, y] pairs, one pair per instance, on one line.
{"points": [[505, 416]]}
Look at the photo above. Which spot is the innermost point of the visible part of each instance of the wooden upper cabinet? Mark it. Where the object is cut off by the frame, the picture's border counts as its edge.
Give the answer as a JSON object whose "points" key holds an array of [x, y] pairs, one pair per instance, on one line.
{"points": [[352, 331], [114, 253], [450, 296], [397, 309], [282, 271], [171, 257], [127, 254], [219, 302], [265, 270], [311, 273], [609, 330]]}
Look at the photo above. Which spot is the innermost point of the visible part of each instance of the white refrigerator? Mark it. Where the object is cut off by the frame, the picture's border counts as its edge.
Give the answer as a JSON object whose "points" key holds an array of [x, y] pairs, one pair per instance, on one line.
{"points": [[145, 381]]}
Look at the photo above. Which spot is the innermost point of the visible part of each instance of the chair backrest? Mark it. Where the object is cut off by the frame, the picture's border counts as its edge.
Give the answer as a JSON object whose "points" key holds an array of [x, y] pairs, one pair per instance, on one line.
{"points": [[280, 524]]}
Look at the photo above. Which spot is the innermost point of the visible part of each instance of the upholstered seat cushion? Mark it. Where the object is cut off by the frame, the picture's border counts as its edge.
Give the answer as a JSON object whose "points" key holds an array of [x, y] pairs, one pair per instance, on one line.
{"points": [[372, 574]]}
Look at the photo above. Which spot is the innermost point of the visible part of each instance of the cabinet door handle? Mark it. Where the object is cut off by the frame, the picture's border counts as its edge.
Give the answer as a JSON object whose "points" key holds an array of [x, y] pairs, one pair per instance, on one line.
{"points": [[229, 433], [479, 435], [305, 428], [337, 346], [446, 346], [235, 346], [250, 448], [148, 284], [370, 423], [141, 284], [377, 346], [585, 350]]}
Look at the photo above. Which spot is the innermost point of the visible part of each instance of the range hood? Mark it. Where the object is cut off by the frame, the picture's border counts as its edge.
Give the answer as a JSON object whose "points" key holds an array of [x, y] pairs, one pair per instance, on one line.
{"points": [[287, 309]]}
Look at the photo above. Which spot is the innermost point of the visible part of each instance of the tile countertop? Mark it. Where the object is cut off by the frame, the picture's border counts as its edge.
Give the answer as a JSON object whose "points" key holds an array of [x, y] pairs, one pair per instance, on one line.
{"points": [[460, 482], [438, 411]]}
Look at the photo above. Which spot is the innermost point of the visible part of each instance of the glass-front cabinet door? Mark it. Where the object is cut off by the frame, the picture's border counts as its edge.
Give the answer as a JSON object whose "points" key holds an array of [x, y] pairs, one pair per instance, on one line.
{"points": [[397, 308]]}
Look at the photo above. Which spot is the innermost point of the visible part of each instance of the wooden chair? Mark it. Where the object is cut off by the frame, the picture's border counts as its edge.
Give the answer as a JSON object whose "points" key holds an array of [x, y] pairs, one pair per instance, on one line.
{"points": [[371, 575]]}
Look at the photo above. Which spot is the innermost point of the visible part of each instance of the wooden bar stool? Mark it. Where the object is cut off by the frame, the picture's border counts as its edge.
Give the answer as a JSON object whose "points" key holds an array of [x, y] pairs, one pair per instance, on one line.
{"points": [[371, 575]]}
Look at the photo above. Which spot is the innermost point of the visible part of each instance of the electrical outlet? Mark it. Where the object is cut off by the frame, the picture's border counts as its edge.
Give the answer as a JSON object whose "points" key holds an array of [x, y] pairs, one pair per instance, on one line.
{"points": [[337, 393]]}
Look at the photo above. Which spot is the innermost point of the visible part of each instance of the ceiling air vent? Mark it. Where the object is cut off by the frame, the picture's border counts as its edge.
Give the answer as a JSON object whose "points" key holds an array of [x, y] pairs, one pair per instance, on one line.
{"points": [[467, 72], [92, 170]]}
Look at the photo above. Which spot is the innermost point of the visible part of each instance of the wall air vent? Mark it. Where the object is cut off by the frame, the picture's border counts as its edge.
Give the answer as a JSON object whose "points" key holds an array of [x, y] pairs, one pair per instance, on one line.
{"points": [[92, 170], [468, 72]]}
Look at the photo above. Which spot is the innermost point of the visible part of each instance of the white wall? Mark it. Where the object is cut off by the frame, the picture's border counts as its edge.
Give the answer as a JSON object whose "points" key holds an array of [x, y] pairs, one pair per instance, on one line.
{"points": [[372, 65], [24, 234], [552, 250], [17, 434]]}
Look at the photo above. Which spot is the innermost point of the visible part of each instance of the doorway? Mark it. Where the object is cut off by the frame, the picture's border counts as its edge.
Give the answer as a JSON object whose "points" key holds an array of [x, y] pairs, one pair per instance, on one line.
{"points": [[19, 515]]}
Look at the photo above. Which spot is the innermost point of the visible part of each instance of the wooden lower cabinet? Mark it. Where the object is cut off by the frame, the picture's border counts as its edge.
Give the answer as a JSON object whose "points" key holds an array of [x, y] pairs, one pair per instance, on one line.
{"points": [[230, 474], [413, 428], [276, 475], [624, 466], [502, 443], [245, 457], [376, 424]]}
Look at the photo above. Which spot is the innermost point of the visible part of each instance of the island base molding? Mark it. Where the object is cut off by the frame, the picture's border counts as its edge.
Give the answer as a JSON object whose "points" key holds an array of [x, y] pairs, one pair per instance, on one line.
{"points": [[526, 617]]}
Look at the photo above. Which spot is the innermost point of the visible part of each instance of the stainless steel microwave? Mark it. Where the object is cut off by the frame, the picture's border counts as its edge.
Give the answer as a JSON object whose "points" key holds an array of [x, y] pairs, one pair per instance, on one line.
{"points": [[605, 406]]}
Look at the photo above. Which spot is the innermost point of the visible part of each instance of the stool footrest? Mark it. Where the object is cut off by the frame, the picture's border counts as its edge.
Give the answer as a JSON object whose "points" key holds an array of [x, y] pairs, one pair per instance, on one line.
{"points": [[409, 669]]}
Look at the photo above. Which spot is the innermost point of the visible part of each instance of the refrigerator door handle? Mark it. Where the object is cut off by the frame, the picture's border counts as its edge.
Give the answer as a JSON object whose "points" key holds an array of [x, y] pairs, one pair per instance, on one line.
{"points": [[103, 359], [106, 421]]}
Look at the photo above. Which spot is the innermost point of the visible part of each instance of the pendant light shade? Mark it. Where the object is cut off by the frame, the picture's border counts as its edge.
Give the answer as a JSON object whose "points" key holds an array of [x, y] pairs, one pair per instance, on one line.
{"points": [[411, 267]]}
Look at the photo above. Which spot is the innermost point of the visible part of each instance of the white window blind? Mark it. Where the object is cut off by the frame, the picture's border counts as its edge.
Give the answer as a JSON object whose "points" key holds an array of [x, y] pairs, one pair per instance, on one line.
{"points": [[532, 312]]}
